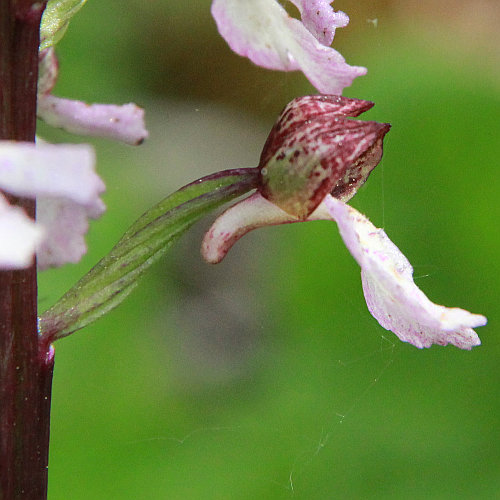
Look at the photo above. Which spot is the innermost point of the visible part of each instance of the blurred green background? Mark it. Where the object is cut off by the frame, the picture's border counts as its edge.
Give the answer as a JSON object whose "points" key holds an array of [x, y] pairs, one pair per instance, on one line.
{"points": [[265, 376]]}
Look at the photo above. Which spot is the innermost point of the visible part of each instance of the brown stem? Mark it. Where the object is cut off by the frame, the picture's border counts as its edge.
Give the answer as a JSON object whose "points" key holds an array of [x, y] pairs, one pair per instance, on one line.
{"points": [[25, 365]]}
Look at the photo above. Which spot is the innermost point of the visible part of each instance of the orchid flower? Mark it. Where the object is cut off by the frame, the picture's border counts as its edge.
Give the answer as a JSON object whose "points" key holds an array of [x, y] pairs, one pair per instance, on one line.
{"points": [[263, 31], [61, 177], [313, 162]]}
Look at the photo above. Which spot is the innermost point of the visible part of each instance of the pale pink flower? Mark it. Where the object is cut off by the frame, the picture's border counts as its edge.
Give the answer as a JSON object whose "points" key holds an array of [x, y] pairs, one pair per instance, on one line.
{"points": [[313, 162], [263, 31], [63, 180]]}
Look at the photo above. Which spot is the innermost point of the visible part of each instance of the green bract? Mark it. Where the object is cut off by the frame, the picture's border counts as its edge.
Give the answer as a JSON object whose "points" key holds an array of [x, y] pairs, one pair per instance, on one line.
{"points": [[116, 275], [55, 20]]}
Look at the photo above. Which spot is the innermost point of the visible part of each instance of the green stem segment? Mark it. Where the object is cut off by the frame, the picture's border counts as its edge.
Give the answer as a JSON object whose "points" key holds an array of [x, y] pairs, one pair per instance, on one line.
{"points": [[115, 276]]}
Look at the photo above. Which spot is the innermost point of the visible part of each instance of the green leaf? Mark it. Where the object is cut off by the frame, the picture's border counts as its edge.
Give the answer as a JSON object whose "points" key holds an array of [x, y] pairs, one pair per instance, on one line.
{"points": [[115, 276], [55, 20]]}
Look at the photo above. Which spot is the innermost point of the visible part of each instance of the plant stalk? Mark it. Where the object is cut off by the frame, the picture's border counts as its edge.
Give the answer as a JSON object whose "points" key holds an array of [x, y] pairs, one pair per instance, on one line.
{"points": [[25, 364]]}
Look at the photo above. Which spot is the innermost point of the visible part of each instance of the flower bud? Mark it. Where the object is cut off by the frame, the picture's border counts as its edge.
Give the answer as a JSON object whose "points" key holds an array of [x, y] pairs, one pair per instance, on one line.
{"points": [[314, 150], [48, 68]]}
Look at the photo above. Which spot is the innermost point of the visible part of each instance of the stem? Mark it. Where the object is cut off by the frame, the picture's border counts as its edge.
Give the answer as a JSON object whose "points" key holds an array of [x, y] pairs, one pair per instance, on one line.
{"points": [[25, 365]]}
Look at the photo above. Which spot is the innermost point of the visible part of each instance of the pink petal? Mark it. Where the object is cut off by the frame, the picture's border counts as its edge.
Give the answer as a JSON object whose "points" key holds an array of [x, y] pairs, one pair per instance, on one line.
{"points": [[56, 170], [263, 31], [302, 110], [19, 236], [391, 295], [251, 213], [65, 224], [124, 123], [63, 180], [320, 19]]}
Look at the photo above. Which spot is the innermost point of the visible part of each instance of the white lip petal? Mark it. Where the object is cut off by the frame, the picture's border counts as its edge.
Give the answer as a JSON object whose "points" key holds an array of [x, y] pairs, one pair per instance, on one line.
{"points": [[19, 237], [263, 31], [391, 294], [123, 123]]}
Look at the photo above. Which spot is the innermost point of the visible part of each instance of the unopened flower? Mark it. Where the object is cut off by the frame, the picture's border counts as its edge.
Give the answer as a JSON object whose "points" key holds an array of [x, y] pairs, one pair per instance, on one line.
{"points": [[263, 31], [63, 181], [123, 123], [313, 162]]}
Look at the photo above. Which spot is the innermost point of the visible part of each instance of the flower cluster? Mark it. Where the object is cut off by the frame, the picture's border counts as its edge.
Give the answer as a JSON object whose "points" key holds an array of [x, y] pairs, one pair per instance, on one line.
{"points": [[315, 159], [61, 177], [259, 29]]}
